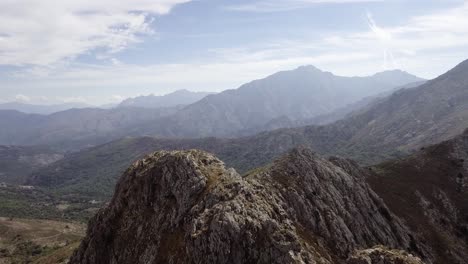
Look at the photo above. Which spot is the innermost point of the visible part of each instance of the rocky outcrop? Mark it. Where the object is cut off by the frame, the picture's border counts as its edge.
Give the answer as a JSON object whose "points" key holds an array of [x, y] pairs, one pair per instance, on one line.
{"points": [[186, 207], [382, 255]]}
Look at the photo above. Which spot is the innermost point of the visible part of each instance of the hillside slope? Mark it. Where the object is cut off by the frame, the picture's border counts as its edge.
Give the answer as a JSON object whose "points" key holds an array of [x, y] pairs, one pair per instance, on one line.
{"points": [[17, 162], [429, 190]]}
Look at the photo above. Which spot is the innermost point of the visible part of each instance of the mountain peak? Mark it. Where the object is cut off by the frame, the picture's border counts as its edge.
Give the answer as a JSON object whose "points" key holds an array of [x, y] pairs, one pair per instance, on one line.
{"points": [[180, 91], [396, 73], [309, 68]]}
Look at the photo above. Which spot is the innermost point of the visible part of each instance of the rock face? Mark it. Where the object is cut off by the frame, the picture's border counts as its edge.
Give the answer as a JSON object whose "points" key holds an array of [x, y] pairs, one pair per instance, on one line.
{"points": [[186, 207]]}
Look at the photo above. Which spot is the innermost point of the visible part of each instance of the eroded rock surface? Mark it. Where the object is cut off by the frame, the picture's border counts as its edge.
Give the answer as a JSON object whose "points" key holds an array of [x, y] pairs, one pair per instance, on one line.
{"points": [[382, 255]]}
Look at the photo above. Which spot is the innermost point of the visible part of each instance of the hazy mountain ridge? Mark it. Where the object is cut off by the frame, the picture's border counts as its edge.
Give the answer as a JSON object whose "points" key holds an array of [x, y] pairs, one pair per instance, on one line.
{"points": [[299, 94], [325, 119], [41, 109], [254, 106], [74, 128], [179, 97]]}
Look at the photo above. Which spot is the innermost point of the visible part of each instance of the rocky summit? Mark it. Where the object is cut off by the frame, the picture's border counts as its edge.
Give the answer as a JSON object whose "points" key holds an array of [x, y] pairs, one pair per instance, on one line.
{"points": [[186, 207]]}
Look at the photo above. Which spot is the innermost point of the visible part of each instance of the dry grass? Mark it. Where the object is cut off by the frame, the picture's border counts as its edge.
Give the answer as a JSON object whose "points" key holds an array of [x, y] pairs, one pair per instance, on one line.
{"points": [[38, 241]]}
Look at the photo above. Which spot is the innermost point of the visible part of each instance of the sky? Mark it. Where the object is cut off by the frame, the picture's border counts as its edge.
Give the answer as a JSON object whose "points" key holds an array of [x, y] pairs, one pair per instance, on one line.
{"points": [[100, 52]]}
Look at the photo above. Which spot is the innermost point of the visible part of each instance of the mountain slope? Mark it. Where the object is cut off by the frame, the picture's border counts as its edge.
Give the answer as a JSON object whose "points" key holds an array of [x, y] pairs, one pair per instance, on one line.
{"points": [[411, 118], [182, 207], [180, 97], [75, 128], [17, 162], [429, 190]]}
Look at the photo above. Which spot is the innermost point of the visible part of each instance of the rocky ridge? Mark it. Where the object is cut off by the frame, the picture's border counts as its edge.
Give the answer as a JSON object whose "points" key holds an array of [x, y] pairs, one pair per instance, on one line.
{"points": [[383, 255], [186, 207]]}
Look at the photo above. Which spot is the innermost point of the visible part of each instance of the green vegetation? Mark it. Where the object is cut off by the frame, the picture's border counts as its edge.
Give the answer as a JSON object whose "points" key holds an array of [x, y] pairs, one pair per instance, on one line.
{"points": [[38, 204]]}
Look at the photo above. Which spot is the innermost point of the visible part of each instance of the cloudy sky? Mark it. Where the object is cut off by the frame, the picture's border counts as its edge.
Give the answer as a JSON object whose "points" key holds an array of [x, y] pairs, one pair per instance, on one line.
{"points": [[102, 51]]}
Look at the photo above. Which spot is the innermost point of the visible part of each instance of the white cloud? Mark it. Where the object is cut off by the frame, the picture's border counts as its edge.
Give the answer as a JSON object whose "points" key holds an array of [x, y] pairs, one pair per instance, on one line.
{"points": [[385, 39], [43, 32], [424, 45], [22, 98], [117, 98], [71, 99], [266, 6]]}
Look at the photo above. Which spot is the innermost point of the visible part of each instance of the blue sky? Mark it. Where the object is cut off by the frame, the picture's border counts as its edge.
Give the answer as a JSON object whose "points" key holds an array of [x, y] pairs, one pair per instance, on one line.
{"points": [[102, 51]]}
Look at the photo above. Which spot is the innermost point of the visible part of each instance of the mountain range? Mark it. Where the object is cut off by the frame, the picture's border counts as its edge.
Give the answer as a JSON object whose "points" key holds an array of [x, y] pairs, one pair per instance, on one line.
{"points": [[75, 128], [299, 94], [388, 128], [296, 95]]}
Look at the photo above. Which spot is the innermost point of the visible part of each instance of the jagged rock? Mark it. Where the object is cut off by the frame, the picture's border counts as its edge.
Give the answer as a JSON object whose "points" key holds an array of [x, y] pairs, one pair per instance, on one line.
{"points": [[382, 255], [186, 207]]}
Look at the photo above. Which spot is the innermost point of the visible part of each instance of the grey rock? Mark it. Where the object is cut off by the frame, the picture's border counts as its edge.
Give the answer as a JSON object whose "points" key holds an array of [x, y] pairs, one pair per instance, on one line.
{"points": [[382, 255]]}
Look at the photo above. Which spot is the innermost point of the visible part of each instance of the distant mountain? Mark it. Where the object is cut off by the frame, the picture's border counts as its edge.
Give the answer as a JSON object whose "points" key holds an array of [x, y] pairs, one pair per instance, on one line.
{"points": [[75, 128], [281, 100], [412, 118], [299, 94], [340, 113], [181, 206], [180, 97], [41, 109], [17, 162], [389, 127]]}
